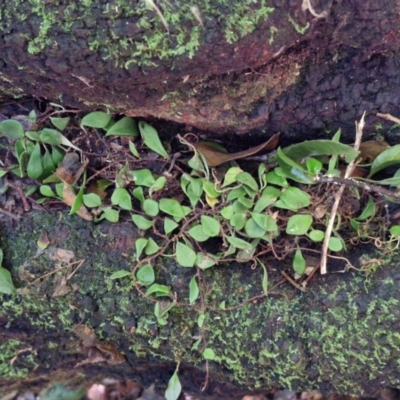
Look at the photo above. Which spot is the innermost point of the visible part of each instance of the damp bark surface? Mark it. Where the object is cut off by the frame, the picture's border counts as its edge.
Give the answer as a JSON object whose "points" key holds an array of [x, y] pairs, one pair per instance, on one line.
{"points": [[235, 68], [340, 336]]}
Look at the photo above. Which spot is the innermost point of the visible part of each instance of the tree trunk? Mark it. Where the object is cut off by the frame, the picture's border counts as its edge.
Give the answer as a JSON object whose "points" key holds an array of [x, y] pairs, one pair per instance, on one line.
{"points": [[227, 67], [341, 336]]}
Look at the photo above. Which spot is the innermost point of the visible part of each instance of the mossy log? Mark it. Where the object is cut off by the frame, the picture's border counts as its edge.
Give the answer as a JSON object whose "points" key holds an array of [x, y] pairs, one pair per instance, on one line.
{"points": [[342, 335], [218, 65]]}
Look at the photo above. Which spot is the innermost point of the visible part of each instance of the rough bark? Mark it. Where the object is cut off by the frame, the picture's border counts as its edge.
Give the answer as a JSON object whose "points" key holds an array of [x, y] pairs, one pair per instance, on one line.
{"points": [[342, 335], [225, 66]]}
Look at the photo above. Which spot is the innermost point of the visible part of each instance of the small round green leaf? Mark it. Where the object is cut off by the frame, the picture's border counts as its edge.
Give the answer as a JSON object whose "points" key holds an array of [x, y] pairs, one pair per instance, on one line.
{"points": [[119, 274], [145, 275], [150, 207], [395, 231], [193, 290], [211, 226], [185, 256], [12, 129], [46, 190], [316, 235], [122, 198], [198, 234], [142, 222], [96, 119], [299, 224], [91, 200], [335, 244], [299, 263], [209, 354]]}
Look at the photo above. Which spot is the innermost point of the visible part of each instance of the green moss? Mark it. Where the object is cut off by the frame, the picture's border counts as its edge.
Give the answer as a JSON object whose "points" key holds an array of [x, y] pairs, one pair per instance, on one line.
{"points": [[8, 356], [134, 33]]}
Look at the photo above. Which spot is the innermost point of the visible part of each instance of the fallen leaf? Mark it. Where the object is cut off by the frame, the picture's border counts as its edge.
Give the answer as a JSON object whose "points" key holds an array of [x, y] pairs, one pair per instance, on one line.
{"points": [[69, 198], [61, 289], [70, 169], [371, 149], [44, 241], [86, 335], [216, 157]]}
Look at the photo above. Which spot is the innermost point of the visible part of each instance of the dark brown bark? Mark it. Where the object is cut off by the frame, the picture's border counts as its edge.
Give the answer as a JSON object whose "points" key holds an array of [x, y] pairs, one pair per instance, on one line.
{"points": [[340, 336], [294, 73]]}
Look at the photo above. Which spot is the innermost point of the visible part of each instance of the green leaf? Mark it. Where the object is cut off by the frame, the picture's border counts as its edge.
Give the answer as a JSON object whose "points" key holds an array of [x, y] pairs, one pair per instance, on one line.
{"points": [[122, 198], [293, 198], [316, 235], [299, 224], [368, 211], [291, 169], [238, 221], [138, 194], [32, 135], [395, 231], [145, 275], [235, 193], [248, 180], [126, 126], [143, 177], [50, 136], [239, 243], [264, 282], [268, 197], [185, 256], [172, 207], [120, 274], [335, 244], [140, 245], [34, 168], [230, 176], [60, 123], [193, 290], [204, 261], [48, 164], [151, 139], [111, 214], [158, 185], [200, 320], [198, 234], [12, 129], [174, 387], [313, 165], [142, 222], [209, 354], [387, 158], [91, 200], [275, 179], [151, 248], [78, 201], [227, 212], [123, 177], [159, 290], [209, 188], [46, 190], [265, 221], [248, 203], [169, 225], [211, 226], [150, 207], [310, 148], [6, 283], [96, 119], [253, 230], [299, 263], [58, 155], [133, 149]]}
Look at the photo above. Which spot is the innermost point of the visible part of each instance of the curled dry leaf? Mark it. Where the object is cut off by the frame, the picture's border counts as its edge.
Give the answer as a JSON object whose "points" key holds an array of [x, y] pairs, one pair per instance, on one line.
{"points": [[371, 149], [69, 198], [216, 157]]}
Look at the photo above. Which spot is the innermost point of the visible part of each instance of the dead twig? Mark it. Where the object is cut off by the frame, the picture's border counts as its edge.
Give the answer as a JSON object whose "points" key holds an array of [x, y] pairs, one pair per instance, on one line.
{"points": [[389, 117], [338, 197]]}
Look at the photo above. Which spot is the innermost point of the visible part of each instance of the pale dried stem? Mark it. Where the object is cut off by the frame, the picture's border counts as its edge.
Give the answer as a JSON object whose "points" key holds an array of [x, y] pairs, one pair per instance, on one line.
{"points": [[338, 196]]}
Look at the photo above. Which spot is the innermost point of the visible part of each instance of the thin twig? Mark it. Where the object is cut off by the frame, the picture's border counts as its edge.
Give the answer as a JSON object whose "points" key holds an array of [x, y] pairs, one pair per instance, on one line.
{"points": [[338, 196], [389, 117], [12, 216]]}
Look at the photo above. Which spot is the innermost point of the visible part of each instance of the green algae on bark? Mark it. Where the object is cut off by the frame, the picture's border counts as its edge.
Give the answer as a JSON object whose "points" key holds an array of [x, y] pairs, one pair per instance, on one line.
{"points": [[312, 341]]}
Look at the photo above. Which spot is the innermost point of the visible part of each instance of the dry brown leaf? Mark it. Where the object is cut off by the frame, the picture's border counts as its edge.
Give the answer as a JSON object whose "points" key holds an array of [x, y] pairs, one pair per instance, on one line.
{"points": [[61, 255], [216, 157], [86, 335], [70, 169], [371, 149], [61, 289], [69, 198]]}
